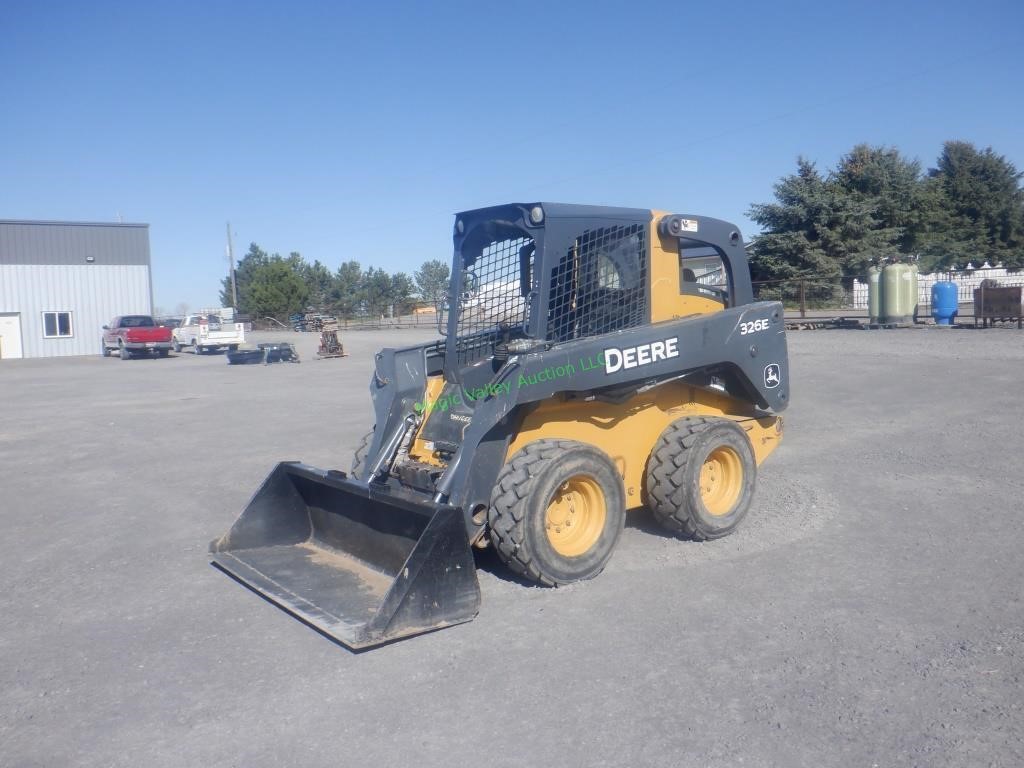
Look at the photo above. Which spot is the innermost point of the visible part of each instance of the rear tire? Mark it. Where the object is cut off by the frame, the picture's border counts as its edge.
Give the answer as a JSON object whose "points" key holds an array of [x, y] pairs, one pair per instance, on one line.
{"points": [[105, 349], [125, 353], [176, 345], [700, 477], [196, 349], [163, 352], [557, 511]]}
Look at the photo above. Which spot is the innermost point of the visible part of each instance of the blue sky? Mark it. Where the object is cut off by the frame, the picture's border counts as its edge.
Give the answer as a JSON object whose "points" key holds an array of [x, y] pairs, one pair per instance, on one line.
{"points": [[355, 130]]}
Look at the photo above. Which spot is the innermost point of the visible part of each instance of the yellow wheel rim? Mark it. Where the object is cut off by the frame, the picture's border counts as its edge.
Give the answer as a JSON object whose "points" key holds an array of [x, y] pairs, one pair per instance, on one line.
{"points": [[721, 481], [575, 516]]}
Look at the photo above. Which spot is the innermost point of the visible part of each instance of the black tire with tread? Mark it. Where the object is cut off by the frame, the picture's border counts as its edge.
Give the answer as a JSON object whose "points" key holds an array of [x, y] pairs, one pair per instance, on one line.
{"points": [[517, 513], [176, 344], [124, 352], [672, 478]]}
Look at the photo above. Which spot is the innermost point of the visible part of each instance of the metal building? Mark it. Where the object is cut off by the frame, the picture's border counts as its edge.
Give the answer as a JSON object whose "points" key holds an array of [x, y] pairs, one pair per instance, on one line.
{"points": [[61, 281]]}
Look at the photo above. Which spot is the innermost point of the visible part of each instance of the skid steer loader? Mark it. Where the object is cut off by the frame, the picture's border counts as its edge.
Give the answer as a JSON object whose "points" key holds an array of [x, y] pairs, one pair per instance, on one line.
{"points": [[593, 360]]}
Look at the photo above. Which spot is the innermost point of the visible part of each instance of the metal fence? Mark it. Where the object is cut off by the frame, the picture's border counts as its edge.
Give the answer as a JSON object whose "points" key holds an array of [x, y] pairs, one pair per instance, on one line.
{"points": [[809, 296], [812, 296], [421, 316]]}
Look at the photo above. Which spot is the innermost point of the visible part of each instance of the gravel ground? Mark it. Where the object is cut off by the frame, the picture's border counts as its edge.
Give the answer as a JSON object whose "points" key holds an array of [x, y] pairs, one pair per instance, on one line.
{"points": [[868, 612]]}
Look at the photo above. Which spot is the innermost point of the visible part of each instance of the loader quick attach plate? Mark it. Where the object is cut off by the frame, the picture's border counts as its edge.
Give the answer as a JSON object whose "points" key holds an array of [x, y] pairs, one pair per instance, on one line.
{"points": [[357, 561]]}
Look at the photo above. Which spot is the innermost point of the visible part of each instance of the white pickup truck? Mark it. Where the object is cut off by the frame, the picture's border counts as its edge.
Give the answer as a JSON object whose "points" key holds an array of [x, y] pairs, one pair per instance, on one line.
{"points": [[206, 333]]}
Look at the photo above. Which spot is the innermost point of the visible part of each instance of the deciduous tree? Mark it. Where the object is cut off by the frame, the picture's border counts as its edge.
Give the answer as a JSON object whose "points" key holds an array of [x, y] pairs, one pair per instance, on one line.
{"points": [[432, 281], [402, 290]]}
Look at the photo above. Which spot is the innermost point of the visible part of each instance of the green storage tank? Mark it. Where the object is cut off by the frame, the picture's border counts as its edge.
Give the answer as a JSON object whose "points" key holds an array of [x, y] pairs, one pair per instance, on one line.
{"points": [[894, 295], [874, 293], [909, 284]]}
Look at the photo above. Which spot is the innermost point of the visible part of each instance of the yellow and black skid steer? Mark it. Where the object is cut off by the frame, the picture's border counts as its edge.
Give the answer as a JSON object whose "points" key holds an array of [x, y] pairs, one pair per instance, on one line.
{"points": [[592, 360]]}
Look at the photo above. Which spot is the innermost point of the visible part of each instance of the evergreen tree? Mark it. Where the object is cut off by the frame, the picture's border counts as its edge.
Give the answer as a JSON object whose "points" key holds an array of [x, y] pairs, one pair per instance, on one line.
{"points": [[346, 290], [887, 203], [873, 207], [375, 289], [275, 290], [801, 229], [319, 281], [254, 259], [980, 212]]}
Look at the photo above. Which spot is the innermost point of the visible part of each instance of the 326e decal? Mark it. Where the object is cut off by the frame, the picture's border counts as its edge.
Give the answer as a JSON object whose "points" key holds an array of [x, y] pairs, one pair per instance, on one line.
{"points": [[753, 327]]}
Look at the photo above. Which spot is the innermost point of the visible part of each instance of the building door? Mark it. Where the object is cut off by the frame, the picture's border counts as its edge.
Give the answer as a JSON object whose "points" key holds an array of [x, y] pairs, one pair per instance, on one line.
{"points": [[10, 335]]}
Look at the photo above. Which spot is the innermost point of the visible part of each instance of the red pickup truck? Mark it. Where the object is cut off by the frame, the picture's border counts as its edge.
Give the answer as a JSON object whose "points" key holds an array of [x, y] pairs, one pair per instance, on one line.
{"points": [[133, 335]]}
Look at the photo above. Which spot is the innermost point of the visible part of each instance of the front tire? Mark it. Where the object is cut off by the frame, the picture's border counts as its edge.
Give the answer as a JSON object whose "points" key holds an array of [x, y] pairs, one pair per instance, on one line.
{"points": [[557, 511], [700, 477]]}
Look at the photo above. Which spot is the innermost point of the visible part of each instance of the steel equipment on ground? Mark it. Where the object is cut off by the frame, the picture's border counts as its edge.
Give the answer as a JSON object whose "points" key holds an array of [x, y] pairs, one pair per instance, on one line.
{"points": [[330, 344], [594, 360]]}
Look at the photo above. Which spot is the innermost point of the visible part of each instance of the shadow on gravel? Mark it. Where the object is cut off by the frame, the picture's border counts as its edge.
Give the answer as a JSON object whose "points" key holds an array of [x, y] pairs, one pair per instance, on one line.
{"points": [[487, 560], [641, 520]]}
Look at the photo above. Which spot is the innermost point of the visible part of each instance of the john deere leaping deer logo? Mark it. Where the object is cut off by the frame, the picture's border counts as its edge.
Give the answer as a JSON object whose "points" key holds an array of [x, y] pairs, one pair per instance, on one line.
{"points": [[772, 376]]}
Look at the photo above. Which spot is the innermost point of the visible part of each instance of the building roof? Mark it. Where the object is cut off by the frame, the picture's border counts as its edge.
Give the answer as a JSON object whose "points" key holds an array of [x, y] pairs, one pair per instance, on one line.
{"points": [[58, 223]]}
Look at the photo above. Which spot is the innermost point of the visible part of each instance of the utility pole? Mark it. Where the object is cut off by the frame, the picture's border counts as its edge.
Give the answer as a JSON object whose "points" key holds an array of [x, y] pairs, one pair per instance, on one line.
{"points": [[231, 267]]}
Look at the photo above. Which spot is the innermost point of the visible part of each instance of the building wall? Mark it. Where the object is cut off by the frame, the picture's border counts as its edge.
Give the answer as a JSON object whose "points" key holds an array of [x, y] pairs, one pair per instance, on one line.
{"points": [[93, 271], [71, 243], [92, 293]]}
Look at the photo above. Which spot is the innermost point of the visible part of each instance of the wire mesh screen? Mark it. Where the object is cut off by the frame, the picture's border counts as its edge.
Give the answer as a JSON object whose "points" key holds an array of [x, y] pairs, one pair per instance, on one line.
{"points": [[599, 285], [495, 288]]}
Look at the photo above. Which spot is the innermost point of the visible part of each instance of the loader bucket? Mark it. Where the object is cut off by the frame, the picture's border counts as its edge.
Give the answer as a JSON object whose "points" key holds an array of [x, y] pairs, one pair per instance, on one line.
{"points": [[361, 564]]}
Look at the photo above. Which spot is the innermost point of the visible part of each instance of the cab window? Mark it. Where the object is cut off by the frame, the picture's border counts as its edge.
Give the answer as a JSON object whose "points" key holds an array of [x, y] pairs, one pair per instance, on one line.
{"points": [[702, 273]]}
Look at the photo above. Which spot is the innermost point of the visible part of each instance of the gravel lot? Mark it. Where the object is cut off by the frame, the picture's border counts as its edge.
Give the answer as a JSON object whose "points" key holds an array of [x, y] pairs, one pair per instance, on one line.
{"points": [[869, 612]]}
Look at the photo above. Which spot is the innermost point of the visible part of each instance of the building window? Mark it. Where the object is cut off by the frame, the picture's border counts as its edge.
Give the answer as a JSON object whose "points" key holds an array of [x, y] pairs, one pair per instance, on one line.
{"points": [[56, 325]]}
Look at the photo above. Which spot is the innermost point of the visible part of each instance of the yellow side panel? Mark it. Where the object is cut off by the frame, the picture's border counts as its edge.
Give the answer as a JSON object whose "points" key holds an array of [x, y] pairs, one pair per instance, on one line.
{"points": [[419, 450], [627, 432], [667, 303]]}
